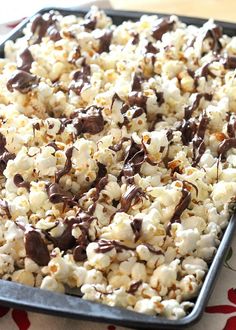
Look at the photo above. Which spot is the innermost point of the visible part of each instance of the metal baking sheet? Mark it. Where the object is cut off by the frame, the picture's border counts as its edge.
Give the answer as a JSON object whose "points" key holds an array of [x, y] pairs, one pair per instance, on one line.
{"points": [[38, 300]]}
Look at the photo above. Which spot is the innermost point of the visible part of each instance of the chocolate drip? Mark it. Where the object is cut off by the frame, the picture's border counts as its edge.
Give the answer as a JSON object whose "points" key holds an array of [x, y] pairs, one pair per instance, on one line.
{"points": [[154, 251], [67, 167], [26, 60], [135, 40], [137, 83], [22, 81], [137, 99], [67, 241], [117, 147], [230, 62], [150, 48], [180, 208], [53, 145], [132, 195], [75, 55], [45, 25], [3, 143], [57, 195], [90, 21], [4, 158], [225, 146], [105, 41], [81, 79], [165, 25], [159, 97], [4, 206], [188, 130], [199, 146], [105, 246], [231, 127], [215, 33], [35, 248], [90, 120], [136, 226], [20, 183], [134, 287], [137, 111], [188, 111]]}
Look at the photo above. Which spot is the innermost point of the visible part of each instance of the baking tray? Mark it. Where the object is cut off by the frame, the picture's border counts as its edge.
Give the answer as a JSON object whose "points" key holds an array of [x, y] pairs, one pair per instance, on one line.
{"points": [[38, 300]]}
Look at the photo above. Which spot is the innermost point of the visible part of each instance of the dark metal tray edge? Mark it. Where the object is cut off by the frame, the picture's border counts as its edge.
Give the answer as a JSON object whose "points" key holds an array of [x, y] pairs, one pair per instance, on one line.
{"points": [[41, 301]]}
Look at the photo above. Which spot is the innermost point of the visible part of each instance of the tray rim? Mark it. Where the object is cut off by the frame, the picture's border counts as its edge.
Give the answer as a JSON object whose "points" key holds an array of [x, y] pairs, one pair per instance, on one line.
{"points": [[120, 316]]}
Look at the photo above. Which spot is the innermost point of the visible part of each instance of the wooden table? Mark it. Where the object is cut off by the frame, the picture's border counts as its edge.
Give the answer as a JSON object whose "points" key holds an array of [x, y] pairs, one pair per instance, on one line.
{"points": [[218, 9]]}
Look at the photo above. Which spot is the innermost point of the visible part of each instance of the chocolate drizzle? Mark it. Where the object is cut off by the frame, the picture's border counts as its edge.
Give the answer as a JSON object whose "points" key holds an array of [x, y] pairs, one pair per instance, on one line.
{"points": [[35, 248], [180, 208], [25, 60], [57, 195], [22, 81], [105, 41], [20, 183], [136, 226], [45, 25], [134, 287], [81, 79], [5, 207], [188, 111], [105, 246], [67, 167], [225, 146], [5, 156], [199, 146], [132, 196], [89, 120], [215, 33], [164, 25]]}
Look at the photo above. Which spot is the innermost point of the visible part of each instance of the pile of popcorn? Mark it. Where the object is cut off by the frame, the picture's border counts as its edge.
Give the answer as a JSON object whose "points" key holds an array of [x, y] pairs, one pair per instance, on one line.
{"points": [[117, 157]]}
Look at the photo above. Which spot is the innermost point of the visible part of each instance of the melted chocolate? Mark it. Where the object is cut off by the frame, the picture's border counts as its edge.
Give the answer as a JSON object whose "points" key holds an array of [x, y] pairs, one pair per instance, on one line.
{"points": [[134, 287], [150, 48], [159, 97], [135, 40], [25, 60], [215, 33], [45, 25], [117, 147], [136, 226], [231, 127], [137, 83], [90, 21], [137, 99], [90, 120], [53, 145], [81, 79], [22, 81], [105, 246], [104, 42], [131, 196], [4, 158], [199, 146], [36, 249], [4, 206], [188, 111], [188, 130], [230, 62], [3, 143], [20, 183], [180, 208], [164, 26], [154, 251], [57, 195], [225, 146], [67, 167]]}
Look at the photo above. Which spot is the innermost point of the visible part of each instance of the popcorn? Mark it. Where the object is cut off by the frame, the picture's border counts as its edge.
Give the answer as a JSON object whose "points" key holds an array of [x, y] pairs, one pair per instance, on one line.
{"points": [[117, 159]]}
